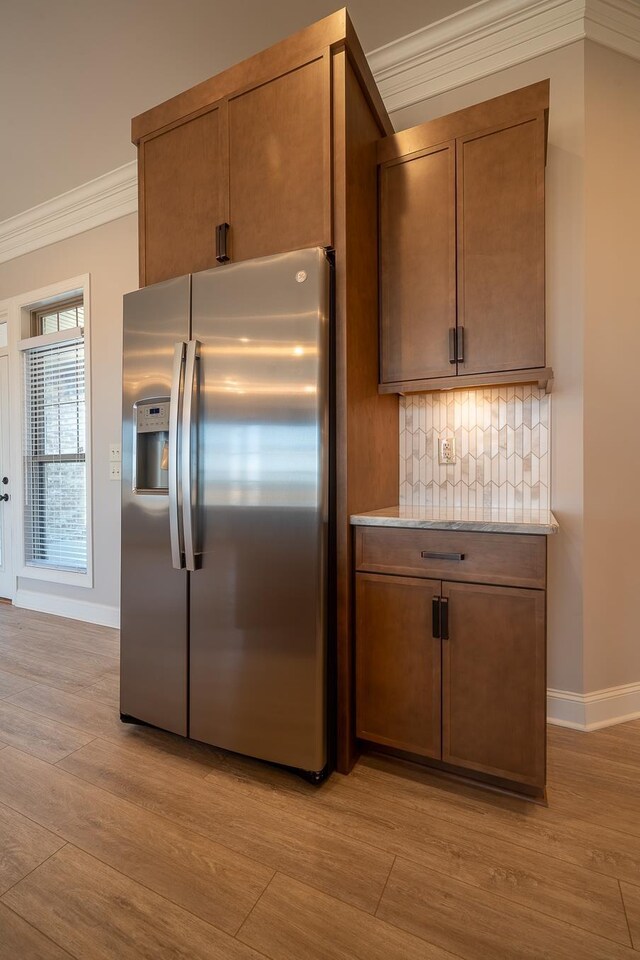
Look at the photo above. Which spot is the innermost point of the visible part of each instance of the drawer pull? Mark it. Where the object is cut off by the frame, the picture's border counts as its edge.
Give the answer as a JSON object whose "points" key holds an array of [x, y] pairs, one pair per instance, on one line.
{"points": [[429, 555]]}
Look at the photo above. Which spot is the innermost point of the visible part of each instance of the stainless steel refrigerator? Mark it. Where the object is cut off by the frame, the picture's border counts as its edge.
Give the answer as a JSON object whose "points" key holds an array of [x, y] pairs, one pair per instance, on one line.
{"points": [[225, 507]]}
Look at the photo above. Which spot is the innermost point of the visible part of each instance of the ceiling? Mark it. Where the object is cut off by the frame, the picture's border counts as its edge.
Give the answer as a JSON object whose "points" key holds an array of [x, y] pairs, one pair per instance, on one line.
{"points": [[74, 72]]}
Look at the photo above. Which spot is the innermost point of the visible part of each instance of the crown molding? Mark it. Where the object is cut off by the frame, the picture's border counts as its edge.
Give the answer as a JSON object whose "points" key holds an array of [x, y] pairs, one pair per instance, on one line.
{"points": [[493, 35], [113, 195], [473, 43]]}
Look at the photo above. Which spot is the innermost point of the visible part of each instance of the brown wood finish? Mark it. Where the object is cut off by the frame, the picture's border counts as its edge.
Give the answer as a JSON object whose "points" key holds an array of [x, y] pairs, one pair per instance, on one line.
{"points": [[418, 264], [366, 430], [499, 558], [500, 189], [279, 167], [398, 664], [184, 196], [542, 376], [505, 110], [528, 880], [494, 681], [275, 61]]}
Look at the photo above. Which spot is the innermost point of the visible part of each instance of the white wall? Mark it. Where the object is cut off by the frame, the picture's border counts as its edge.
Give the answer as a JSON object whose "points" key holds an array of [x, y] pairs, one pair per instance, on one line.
{"points": [[612, 349], [565, 313], [109, 255]]}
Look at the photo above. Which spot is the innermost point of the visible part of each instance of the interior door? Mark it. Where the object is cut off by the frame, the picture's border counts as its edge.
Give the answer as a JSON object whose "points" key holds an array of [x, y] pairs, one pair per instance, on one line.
{"points": [[494, 681], [184, 196], [279, 165], [7, 577], [418, 265], [398, 670]]}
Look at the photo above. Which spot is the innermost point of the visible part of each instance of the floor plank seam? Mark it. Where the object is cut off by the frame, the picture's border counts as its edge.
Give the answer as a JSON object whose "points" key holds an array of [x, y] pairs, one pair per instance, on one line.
{"points": [[37, 867], [246, 919], [626, 915], [384, 887], [67, 755], [72, 956]]}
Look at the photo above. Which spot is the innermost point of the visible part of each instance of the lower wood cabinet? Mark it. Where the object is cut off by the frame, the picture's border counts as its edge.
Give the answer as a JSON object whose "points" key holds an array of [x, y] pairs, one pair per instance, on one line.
{"points": [[452, 671], [398, 663]]}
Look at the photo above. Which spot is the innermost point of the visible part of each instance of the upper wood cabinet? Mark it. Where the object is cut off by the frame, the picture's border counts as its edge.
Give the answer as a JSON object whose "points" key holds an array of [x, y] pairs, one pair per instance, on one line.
{"points": [[183, 193], [283, 148], [279, 190], [418, 264], [462, 247]]}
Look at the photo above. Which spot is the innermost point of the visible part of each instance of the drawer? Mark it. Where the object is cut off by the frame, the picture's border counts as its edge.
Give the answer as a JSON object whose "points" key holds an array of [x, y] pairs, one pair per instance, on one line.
{"points": [[517, 560]]}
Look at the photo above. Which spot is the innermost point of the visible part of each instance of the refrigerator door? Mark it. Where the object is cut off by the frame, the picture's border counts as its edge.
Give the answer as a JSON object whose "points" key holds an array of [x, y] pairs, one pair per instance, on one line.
{"points": [[258, 599], [154, 596]]}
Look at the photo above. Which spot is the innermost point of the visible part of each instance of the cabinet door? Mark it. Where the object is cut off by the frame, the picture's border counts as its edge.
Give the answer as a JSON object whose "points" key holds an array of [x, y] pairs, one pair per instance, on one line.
{"points": [[501, 248], [280, 189], [183, 193], [494, 683], [398, 668], [418, 265]]}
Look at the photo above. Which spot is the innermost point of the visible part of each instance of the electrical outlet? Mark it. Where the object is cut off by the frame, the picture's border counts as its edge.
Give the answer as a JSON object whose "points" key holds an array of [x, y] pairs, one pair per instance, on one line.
{"points": [[114, 453], [447, 450], [114, 471]]}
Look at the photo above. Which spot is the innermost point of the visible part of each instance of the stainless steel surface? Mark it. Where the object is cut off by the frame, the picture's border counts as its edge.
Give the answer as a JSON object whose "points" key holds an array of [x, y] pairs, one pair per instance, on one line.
{"points": [[154, 652], [258, 603], [189, 455], [175, 513]]}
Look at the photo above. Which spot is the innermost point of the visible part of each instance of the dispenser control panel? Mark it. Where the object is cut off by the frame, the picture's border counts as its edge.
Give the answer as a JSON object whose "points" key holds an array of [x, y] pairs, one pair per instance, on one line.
{"points": [[153, 416]]}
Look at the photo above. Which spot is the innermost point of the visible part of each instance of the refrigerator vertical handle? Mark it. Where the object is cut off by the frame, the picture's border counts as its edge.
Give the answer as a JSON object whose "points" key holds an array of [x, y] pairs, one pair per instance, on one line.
{"points": [[189, 426], [175, 520]]}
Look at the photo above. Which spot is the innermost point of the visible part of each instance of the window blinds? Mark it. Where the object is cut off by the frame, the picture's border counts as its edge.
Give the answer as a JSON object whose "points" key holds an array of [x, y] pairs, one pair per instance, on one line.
{"points": [[55, 509]]}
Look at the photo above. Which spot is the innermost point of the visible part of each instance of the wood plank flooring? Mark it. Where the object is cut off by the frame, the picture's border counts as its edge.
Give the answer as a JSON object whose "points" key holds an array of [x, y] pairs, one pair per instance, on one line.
{"points": [[123, 842]]}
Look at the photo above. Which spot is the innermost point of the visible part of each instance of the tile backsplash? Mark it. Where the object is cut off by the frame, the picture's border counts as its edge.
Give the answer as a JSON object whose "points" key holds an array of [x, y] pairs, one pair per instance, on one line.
{"points": [[502, 448]]}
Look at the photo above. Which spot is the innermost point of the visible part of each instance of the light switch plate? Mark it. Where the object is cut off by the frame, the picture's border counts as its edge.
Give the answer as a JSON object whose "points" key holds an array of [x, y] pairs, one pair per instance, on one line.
{"points": [[446, 450], [114, 471], [115, 455]]}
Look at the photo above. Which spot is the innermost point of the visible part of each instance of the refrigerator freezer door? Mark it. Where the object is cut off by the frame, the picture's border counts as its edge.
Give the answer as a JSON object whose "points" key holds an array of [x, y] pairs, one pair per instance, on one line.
{"points": [[258, 599], [154, 624]]}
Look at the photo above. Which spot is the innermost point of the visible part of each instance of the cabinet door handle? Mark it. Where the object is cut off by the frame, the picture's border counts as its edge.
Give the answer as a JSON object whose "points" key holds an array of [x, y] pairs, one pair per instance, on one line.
{"points": [[435, 618], [452, 345], [222, 233], [444, 618], [429, 555], [460, 344]]}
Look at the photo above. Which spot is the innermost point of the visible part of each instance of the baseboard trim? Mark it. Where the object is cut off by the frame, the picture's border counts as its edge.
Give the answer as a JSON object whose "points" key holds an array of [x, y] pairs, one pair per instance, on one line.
{"points": [[98, 613], [591, 711]]}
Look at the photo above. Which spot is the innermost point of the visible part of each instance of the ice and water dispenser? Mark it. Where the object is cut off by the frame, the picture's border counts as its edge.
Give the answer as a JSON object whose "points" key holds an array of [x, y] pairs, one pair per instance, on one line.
{"points": [[152, 446]]}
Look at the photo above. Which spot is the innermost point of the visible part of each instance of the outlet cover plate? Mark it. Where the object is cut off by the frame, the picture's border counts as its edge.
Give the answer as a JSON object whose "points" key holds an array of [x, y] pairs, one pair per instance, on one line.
{"points": [[446, 450]]}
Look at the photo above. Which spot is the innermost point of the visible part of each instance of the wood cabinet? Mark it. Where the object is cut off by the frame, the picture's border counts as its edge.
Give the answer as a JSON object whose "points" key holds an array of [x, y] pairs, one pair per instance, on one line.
{"points": [[462, 247], [452, 671], [183, 192], [282, 147], [398, 663], [494, 681]]}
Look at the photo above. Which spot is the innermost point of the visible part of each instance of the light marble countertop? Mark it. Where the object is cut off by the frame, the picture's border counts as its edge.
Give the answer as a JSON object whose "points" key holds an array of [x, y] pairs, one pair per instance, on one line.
{"points": [[488, 520]]}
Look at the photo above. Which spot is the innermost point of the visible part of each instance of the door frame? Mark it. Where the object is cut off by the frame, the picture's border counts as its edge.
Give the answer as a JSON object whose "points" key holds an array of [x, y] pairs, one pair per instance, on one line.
{"points": [[8, 580]]}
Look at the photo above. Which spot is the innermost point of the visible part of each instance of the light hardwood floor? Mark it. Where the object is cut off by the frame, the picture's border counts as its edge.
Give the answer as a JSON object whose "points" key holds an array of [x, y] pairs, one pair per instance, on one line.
{"points": [[124, 842]]}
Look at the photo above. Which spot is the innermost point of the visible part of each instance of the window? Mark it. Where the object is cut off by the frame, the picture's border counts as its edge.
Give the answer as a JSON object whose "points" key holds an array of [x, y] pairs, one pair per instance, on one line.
{"points": [[54, 453], [64, 316]]}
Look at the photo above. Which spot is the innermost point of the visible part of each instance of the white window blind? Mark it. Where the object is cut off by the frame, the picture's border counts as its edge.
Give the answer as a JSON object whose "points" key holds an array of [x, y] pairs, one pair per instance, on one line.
{"points": [[55, 508]]}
